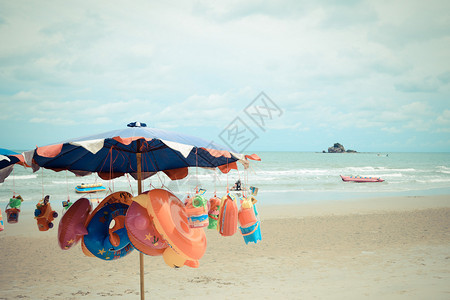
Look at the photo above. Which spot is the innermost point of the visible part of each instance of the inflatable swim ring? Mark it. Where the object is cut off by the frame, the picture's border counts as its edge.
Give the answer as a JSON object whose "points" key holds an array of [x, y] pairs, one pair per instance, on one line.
{"points": [[99, 240], [106, 243], [142, 232], [171, 221], [71, 226]]}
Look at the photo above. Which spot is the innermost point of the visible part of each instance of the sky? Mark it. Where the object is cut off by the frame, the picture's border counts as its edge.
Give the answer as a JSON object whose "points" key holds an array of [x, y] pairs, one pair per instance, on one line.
{"points": [[287, 75]]}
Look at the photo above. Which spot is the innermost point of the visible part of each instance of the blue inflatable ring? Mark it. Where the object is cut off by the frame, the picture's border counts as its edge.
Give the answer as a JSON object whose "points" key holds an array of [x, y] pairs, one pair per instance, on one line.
{"points": [[97, 240]]}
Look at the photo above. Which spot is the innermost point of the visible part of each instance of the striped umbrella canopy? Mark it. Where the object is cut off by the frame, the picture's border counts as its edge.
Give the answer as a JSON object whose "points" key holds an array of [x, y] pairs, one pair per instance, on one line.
{"points": [[8, 159], [115, 153]]}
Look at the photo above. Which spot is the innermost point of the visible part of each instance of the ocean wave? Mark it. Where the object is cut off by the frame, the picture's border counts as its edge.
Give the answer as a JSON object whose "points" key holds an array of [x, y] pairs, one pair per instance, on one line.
{"points": [[384, 175], [382, 169], [443, 169], [22, 177], [295, 172], [433, 180]]}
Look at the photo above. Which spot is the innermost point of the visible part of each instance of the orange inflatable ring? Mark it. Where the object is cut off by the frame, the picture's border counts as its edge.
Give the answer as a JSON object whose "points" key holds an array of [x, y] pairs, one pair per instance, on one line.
{"points": [[171, 221], [142, 232], [71, 226]]}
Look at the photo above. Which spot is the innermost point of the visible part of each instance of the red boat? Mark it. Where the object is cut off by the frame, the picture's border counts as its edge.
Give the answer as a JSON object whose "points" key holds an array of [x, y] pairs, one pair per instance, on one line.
{"points": [[361, 179]]}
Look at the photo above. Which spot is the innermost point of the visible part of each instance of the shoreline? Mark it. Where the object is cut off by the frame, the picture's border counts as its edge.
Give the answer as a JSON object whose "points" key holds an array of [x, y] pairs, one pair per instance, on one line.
{"points": [[383, 248], [353, 206]]}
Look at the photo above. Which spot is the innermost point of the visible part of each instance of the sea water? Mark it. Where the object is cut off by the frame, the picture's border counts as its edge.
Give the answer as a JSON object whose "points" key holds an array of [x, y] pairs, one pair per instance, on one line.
{"points": [[281, 177]]}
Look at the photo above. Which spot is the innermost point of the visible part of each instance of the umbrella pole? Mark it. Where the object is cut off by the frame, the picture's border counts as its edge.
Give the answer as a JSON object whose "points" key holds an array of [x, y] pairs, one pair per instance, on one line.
{"points": [[141, 256]]}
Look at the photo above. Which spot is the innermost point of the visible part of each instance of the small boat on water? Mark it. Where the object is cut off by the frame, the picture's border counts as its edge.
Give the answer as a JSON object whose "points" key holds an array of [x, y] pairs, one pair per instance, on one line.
{"points": [[90, 188], [361, 179]]}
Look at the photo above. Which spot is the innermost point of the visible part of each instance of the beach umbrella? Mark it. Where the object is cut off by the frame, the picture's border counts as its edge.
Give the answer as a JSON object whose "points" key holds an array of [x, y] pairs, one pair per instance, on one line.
{"points": [[139, 151], [8, 159]]}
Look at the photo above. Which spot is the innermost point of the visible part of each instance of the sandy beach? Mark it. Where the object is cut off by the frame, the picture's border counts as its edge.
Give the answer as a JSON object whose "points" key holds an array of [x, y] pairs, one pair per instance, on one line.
{"points": [[383, 248]]}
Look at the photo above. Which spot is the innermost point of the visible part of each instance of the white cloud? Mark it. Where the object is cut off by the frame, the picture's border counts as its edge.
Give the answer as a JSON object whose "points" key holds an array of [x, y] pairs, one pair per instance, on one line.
{"points": [[334, 66], [444, 118]]}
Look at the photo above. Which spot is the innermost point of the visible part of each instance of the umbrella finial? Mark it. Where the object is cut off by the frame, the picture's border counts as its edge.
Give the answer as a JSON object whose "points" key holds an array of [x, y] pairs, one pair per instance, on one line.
{"points": [[137, 124]]}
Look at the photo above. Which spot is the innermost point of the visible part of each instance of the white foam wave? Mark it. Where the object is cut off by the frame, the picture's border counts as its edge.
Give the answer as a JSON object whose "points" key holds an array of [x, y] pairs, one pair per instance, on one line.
{"points": [[387, 175], [294, 172], [443, 169], [375, 169], [22, 177], [434, 180]]}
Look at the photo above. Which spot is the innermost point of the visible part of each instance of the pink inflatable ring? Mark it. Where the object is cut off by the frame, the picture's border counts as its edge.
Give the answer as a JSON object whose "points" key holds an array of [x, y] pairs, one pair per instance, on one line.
{"points": [[71, 226]]}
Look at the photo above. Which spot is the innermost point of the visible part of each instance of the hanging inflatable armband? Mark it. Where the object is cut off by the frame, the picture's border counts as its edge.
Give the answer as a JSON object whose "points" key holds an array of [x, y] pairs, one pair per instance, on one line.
{"points": [[1, 221], [197, 211], [228, 216], [213, 213]]}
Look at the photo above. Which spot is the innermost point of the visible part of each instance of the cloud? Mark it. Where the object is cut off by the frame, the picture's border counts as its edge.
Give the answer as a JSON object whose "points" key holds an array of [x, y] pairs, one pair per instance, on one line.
{"points": [[417, 22], [334, 67], [418, 86], [443, 122], [346, 14]]}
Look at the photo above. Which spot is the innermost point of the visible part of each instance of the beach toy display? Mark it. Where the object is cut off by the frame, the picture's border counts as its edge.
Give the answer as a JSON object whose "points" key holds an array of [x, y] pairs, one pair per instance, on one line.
{"points": [[155, 223], [213, 212], [71, 226], [228, 216], [142, 232], [197, 211], [186, 244], [12, 213], [44, 214], [106, 236], [249, 225]]}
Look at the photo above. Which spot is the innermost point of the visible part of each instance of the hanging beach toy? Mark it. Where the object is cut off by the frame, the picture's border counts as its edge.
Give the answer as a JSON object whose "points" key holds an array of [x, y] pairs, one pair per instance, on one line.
{"points": [[246, 214], [253, 191], [186, 245], [197, 211], [44, 214], [1, 221], [107, 237], [251, 233], [71, 226], [213, 212], [250, 226], [228, 216], [12, 213], [142, 232], [66, 204]]}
